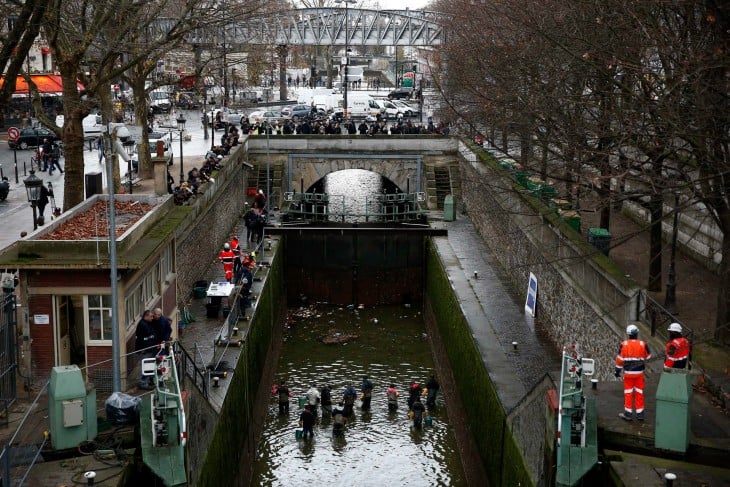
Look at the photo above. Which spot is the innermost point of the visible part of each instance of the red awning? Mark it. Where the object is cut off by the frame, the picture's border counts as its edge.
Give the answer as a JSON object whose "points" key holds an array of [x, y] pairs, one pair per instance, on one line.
{"points": [[46, 83]]}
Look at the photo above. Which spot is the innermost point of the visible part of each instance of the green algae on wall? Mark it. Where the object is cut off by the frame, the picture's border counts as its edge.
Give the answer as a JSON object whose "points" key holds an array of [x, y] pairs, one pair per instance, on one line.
{"points": [[498, 450]]}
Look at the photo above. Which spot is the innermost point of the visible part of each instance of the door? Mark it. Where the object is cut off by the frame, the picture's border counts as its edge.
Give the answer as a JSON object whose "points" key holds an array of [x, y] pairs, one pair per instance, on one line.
{"points": [[70, 348]]}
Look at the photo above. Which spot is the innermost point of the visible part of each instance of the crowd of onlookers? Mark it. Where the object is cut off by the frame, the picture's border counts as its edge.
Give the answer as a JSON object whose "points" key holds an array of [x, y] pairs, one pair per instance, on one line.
{"points": [[328, 126]]}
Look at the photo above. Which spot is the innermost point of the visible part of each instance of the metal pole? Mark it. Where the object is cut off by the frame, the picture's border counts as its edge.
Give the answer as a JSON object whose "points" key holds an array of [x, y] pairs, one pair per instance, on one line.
{"points": [[205, 113], [116, 372], [670, 299], [182, 174], [15, 158], [35, 216], [212, 130], [268, 171], [347, 58]]}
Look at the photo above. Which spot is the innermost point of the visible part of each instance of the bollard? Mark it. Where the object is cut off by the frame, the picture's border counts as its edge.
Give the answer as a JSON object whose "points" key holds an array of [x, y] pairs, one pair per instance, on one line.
{"points": [[514, 345], [235, 330], [594, 384], [15, 158], [670, 478], [215, 381], [2, 174], [476, 275], [90, 476]]}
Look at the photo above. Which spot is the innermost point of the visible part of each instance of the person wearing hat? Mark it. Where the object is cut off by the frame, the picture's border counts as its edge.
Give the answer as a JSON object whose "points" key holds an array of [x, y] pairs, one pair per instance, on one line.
{"points": [[632, 356], [678, 348]]}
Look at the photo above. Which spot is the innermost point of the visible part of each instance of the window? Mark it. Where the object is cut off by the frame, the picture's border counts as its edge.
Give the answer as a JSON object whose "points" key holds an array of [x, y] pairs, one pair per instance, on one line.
{"points": [[99, 309]]}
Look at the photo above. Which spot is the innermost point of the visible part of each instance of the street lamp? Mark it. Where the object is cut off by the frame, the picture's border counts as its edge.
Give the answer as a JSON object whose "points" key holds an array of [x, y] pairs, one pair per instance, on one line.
{"points": [[33, 186], [670, 298], [347, 52], [129, 150], [181, 127]]}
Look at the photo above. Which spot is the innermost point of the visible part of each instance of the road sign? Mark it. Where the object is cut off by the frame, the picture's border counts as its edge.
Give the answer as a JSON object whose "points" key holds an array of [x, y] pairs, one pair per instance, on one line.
{"points": [[13, 133]]}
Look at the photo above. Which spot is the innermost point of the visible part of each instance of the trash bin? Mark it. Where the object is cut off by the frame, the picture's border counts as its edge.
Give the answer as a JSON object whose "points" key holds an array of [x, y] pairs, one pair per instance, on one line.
{"points": [[93, 183], [199, 292], [673, 398], [600, 238], [212, 310], [449, 208], [572, 218]]}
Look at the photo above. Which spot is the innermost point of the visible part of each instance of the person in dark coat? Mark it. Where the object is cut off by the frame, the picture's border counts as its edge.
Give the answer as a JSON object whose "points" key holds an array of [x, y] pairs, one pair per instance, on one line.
{"points": [[282, 393], [307, 419], [145, 340], [366, 388], [433, 388], [418, 409], [42, 203]]}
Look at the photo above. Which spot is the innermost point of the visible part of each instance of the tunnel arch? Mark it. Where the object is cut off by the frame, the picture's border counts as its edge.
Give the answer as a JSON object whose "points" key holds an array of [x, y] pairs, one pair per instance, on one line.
{"points": [[403, 170]]}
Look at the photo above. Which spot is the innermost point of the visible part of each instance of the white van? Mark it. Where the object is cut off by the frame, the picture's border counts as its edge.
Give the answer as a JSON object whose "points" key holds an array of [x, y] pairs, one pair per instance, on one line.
{"points": [[362, 105], [387, 109]]}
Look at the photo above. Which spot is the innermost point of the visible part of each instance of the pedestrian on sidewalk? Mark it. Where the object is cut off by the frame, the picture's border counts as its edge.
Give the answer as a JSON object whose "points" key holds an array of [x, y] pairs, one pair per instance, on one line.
{"points": [[632, 356], [678, 348], [42, 203]]}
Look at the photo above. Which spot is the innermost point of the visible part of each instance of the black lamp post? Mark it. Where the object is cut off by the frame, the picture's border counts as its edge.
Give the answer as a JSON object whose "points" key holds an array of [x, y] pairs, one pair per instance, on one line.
{"points": [[347, 54], [129, 150], [33, 186], [181, 127], [670, 298]]}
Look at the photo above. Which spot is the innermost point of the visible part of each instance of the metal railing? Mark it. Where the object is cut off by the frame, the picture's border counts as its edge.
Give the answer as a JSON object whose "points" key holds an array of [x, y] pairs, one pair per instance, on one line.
{"points": [[659, 319], [198, 375]]}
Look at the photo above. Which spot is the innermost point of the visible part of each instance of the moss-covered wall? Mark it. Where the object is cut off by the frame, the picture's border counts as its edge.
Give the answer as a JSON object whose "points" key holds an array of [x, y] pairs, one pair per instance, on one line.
{"points": [[499, 452], [233, 433]]}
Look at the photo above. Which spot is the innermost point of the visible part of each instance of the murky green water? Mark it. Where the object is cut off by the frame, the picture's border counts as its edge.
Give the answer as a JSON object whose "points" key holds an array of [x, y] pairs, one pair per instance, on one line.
{"points": [[378, 447]]}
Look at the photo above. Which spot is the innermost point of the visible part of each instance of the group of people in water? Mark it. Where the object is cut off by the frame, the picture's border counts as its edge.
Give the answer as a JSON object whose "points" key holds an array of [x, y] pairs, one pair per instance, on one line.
{"points": [[322, 398]]}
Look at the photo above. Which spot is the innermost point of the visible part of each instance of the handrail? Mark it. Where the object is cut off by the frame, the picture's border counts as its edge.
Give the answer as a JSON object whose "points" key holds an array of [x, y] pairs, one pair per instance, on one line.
{"points": [[196, 371], [659, 318]]}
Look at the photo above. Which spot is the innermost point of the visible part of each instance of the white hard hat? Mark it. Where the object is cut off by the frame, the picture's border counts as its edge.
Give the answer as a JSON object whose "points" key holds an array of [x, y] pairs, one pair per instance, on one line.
{"points": [[227, 246], [675, 327], [632, 330]]}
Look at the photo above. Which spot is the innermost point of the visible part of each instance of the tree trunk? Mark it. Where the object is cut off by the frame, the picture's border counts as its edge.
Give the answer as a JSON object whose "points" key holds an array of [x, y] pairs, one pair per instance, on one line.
{"points": [[656, 204], [74, 111]]}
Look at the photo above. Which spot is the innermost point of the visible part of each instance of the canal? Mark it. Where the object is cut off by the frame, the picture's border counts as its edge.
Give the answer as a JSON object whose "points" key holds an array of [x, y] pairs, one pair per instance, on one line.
{"points": [[388, 344]]}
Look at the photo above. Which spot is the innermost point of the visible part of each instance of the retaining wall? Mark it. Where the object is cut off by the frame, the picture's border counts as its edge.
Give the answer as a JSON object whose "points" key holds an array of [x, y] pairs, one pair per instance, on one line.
{"points": [[583, 298], [225, 440]]}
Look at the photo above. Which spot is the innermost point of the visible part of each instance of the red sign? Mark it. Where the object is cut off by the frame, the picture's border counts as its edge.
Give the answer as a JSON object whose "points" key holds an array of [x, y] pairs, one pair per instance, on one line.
{"points": [[13, 133]]}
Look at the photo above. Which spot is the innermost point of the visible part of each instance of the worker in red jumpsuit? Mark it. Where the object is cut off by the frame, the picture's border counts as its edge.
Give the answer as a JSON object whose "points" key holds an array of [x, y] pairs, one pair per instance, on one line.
{"points": [[227, 257], [632, 356], [677, 349]]}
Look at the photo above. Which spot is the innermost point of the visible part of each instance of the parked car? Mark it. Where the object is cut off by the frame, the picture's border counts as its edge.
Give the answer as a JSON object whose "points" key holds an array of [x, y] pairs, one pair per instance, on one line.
{"points": [[32, 138], [230, 114], [154, 137], [300, 111], [404, 108], [400, 93], [265, 116], [286, 111], [160, 101]]}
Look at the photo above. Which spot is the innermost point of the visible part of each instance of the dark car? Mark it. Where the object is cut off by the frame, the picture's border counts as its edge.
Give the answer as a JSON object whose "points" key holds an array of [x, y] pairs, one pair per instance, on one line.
{"points": [[300, 111], [32, 138], [399, 93]]}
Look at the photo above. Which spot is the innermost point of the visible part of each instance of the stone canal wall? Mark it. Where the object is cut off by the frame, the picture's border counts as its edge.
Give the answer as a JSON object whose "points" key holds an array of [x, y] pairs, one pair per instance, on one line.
{"points": [[224, 440], [499, 452], [583, 298], [213, 213]]}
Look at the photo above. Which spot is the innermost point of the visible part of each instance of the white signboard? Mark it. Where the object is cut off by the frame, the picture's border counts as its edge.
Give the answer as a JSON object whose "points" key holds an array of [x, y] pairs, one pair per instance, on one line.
{"points": [[41, 319], [531, 301]]}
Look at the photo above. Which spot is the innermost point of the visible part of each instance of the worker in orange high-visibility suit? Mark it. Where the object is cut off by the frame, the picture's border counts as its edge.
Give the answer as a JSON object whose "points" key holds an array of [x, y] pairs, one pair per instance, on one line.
{"points": [[226, 257], [677, 348], [632, 356]]}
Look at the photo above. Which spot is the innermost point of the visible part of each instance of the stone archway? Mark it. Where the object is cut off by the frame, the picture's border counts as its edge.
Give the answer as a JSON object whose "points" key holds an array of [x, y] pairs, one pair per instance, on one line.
{"points": [[404, 170]]}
